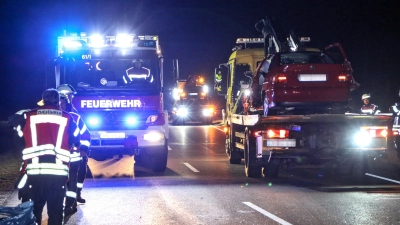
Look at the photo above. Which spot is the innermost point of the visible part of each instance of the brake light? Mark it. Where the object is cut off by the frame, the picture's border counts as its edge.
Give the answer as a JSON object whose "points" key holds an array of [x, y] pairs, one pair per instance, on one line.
{"points": [[342, 77], [277, 133], [376, 131], [281, 78]]}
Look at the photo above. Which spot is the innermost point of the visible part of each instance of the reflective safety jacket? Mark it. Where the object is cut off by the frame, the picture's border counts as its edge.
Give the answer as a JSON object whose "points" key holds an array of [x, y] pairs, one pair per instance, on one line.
{"points": [[84, 137], [48, 134], [369, 109]]}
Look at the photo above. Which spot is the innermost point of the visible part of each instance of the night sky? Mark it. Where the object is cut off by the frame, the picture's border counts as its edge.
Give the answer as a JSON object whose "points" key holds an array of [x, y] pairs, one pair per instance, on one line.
{"points": [[200, 34]]}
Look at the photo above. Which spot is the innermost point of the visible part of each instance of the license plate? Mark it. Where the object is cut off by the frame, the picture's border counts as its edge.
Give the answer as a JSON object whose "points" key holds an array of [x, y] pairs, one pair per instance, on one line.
{"points": [[112, 135], [192, 93], [281, 143], [312, 77]]}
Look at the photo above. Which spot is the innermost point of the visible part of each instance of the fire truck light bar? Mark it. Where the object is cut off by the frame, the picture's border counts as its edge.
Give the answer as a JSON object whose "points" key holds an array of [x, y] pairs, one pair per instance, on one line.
{"points": [[74, 41]]}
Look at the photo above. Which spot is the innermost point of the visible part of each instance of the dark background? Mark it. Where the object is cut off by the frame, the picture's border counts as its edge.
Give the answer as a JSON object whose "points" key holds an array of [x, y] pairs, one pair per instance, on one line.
{"points": [[200, 34]]}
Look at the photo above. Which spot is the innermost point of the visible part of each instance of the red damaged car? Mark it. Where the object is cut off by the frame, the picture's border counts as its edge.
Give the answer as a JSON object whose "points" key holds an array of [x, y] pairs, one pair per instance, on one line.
{"points": [[308, 79]]}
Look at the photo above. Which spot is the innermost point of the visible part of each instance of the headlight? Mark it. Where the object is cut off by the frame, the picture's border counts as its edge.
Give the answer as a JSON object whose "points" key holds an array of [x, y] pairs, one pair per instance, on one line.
{"points": [[247, 92], [153, 136], [182, 111], [362, 138], [93, 121], [208, 111], [130, 120]]}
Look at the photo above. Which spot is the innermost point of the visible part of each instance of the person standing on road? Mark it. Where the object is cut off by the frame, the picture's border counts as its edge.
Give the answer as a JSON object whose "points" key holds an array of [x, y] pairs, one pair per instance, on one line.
{"points": [[368, 107], [67, 92], [48, 134]]}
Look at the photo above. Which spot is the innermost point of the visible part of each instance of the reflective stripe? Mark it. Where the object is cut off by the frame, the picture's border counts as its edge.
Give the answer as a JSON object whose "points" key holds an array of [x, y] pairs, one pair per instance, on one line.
{"points": [[71, 194], [79, 185], [75, 156], [22, 182], [47, 171], [85, 142], [367, 110], [125, 80], [58, 168], [47, 149], [83, 129]]}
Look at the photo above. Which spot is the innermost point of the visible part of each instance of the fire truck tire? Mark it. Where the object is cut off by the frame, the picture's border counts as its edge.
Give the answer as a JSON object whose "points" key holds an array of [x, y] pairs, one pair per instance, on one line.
{"points": [[159, 159], [251, 170]]}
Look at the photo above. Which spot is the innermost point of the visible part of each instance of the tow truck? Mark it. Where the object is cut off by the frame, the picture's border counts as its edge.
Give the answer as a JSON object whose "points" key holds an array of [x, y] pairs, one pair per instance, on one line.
{"points": [[192, 101], [284, 109], [124, 111]]}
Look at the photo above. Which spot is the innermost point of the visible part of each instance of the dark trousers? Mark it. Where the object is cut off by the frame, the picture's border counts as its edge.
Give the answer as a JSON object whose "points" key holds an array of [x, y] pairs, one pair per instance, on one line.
{"points": [[48, 189], [81, 175], [71, 184]]}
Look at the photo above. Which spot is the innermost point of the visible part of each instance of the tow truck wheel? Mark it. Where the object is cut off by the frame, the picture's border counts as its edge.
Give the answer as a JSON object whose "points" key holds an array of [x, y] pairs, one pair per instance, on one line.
{"points": [[159, 159], [251, 170]]}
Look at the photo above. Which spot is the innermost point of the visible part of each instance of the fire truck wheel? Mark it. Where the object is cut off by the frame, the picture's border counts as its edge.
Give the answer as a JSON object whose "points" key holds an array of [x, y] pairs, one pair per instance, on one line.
{"points": [[251, 170], [159, 159]]}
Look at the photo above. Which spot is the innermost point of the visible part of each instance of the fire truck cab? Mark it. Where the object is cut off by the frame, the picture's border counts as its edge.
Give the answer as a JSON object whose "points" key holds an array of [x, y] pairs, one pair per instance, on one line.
{"points": [[119, 85], [192, 102]]}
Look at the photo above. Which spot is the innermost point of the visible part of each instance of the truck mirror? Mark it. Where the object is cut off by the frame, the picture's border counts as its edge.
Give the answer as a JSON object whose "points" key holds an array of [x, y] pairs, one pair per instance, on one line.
{"points": [[220, 81]]}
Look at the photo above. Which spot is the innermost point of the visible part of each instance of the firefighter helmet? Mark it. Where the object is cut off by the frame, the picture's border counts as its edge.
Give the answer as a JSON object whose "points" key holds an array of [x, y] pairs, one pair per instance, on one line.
{"points": [[51, 97], [365, 96], [66, 89], [137, 60]]}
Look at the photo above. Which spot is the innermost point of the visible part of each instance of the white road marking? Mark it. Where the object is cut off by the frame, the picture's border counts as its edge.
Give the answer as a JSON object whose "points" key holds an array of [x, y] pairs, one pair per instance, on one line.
{"points": [[270, 215], [383, 178], [191, 167], [169, 148]]}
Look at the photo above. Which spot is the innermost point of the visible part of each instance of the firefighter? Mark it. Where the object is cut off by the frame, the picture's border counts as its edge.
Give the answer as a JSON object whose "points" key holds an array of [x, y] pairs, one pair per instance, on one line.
{"points": [[396, 111], [137, 72], [75, 161], [67, 93], [48, 134], [368, 107]]}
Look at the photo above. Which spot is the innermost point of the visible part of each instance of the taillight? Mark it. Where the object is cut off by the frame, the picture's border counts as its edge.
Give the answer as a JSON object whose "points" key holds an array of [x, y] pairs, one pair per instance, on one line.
{"points": [[281, 78], [376, 131], [342, 77], [273, 133]]}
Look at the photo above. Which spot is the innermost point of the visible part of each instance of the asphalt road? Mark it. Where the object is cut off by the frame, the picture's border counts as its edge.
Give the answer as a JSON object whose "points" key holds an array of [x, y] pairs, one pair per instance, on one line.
{"points": [[201, 187]]}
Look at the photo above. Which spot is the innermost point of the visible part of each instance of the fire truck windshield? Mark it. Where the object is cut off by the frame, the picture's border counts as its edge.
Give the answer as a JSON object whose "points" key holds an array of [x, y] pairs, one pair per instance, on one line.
{"points": [[110, 74]]}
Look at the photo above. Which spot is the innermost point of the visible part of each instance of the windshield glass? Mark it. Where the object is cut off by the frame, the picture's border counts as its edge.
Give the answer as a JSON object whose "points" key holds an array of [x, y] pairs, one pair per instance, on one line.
{"points": [[133, 73], [305, 58]]}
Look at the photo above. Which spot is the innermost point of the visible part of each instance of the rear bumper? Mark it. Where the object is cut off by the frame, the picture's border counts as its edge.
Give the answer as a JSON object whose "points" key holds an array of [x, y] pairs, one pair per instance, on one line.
{"points": [[288, 96]]}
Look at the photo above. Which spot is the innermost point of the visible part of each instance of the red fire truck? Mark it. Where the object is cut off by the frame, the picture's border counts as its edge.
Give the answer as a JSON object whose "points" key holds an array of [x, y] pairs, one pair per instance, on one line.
{"points": [[119, 85]]}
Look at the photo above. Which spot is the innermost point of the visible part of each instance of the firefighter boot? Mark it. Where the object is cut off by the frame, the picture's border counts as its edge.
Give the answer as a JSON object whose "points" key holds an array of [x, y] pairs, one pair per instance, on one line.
{"points": [[78, 196]]}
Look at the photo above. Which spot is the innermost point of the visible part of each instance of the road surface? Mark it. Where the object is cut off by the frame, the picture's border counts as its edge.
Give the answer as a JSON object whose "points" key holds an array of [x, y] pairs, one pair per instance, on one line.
{"points": [[201, 187]]}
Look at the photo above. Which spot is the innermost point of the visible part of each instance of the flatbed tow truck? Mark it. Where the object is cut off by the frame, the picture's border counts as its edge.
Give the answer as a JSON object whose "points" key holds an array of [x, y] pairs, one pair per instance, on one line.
{"points": [[297, 133]]}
